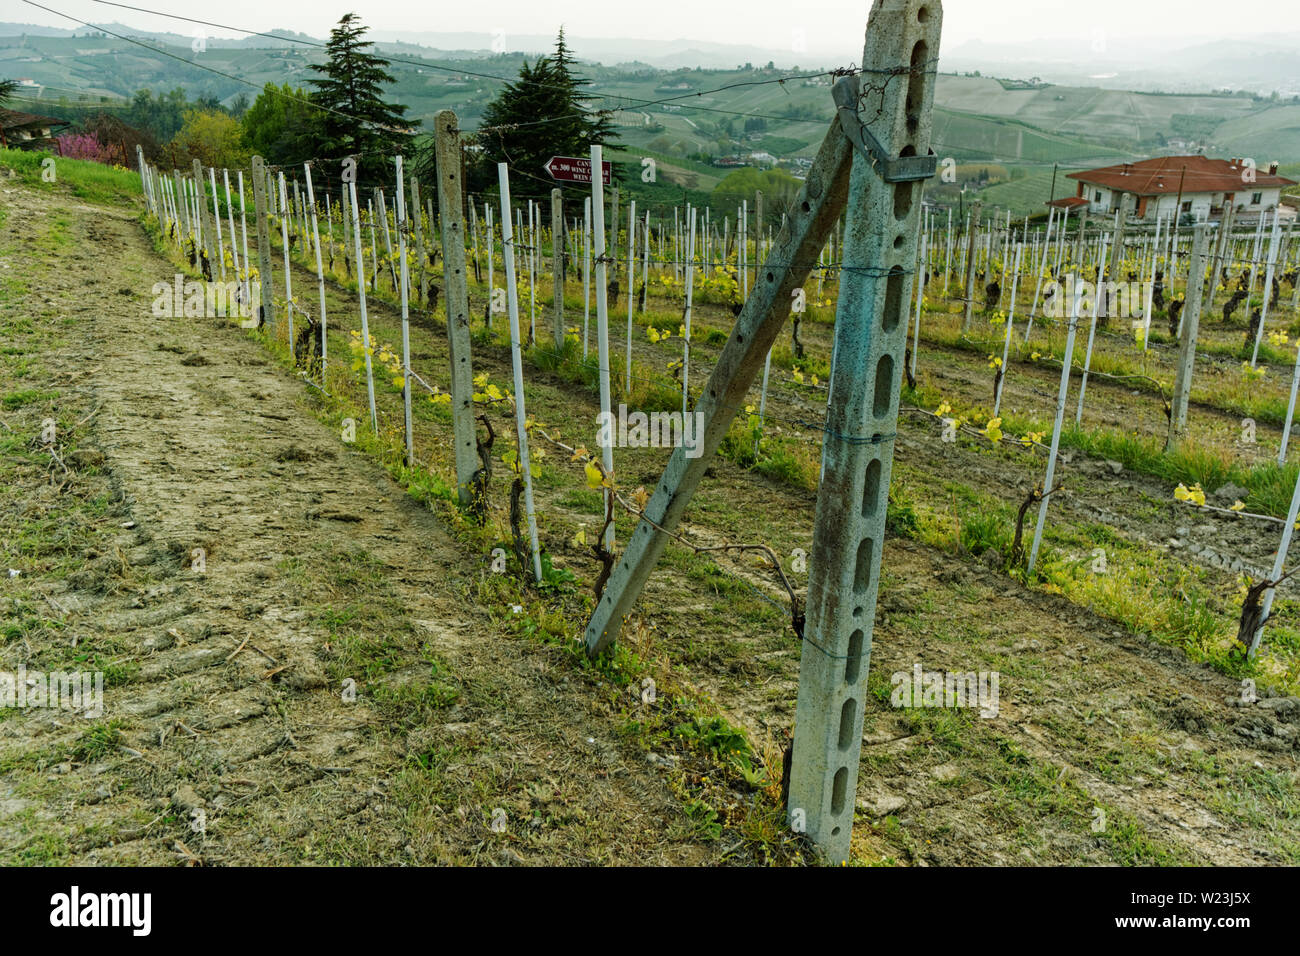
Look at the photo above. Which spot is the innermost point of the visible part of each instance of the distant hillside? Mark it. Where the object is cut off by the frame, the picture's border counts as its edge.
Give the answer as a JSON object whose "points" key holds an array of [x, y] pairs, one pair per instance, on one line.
{"points": [[1024, 123]]}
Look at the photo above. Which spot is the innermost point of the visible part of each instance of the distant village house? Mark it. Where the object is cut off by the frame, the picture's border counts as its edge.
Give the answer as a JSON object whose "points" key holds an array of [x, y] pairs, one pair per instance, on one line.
{"points": [[1198, 187]]}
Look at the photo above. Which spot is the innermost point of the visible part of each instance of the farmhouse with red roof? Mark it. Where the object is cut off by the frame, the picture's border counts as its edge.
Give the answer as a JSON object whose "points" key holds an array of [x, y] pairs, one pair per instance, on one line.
{"points": [[1197, 186]]}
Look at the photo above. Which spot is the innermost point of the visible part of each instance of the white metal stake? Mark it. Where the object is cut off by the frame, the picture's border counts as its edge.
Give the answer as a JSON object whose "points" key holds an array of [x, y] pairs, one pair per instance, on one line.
{"points": [[1006, 344], [320, 271], [406, 318], [1151, 284], [230, 221], [1279, 564], [1056, 432], [517, 360], [1268, 287], [243, 230], [602, 318], [491, 255], [1092, 334], [288, 289], [1290, 410], [1042, 267], [586, 273], [690, 290], [361, 295], [631, 260], [920, 295], [532, 292], [216, 215], [645, 266], [374, 249]]}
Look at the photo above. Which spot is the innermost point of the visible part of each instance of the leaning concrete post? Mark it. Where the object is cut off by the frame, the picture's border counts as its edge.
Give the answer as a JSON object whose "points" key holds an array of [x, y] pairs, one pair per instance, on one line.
{"points": [[793, 254], [1187, 341], [456, 290], [861, 422]]}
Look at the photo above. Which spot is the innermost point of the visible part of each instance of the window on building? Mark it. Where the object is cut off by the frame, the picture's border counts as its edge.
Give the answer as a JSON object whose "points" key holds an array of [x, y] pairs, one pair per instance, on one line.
{"points": [[1097, 198], [1256, 198], [1187, 206]]}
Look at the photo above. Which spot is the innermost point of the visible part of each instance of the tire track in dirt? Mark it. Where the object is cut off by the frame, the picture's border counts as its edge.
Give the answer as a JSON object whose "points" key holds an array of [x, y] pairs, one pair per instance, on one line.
{"points": [[313, 568]]}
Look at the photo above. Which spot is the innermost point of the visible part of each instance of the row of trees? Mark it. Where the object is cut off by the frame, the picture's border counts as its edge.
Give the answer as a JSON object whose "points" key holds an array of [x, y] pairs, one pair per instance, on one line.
{"points": [[343, 112]]}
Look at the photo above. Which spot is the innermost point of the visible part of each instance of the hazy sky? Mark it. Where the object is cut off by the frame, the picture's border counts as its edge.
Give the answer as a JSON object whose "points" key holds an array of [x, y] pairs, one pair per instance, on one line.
{"points": [[828, 25]]}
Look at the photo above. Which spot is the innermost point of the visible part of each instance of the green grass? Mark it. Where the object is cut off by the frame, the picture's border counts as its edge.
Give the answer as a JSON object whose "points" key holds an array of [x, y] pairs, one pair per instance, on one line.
{"points": [[93, 182]]}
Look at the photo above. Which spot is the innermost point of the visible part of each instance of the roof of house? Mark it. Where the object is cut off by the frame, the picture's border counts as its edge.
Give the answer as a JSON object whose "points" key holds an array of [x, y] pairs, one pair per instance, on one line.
{"points": [[1068, 202], [15, 119], [1164, 175]]}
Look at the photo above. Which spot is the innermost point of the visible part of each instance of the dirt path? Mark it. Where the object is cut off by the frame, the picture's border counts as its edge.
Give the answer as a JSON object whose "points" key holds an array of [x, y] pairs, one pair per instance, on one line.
{"points": [[312, 556], [226, 736]]}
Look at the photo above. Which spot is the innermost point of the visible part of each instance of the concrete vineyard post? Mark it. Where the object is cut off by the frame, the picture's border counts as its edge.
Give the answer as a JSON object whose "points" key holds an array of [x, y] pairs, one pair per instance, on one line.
{"points": [[418, 227], [516, 358], [1191, 319], [861, 422], [456, 296]]}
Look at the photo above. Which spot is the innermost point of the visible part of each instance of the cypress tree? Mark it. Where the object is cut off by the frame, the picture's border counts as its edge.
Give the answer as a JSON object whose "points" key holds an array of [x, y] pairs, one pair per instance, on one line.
{"points": [[357, 121]]}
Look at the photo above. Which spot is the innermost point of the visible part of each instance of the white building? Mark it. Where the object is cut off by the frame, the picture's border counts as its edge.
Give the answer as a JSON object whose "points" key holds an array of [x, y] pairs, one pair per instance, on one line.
{"points": [[1197, 187]]}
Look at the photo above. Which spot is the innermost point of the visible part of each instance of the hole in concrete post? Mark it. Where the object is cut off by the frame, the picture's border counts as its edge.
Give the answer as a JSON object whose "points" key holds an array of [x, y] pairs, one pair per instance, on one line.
{"points": [[862, 571], [853, 662], [871, 488], [884, 384], [893, 311], [839, 787], [848, 716], [902, 200]]}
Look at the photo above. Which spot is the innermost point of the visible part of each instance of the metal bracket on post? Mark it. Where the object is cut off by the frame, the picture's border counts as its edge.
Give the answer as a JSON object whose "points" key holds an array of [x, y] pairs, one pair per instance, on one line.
{"points": [[892, 169]]}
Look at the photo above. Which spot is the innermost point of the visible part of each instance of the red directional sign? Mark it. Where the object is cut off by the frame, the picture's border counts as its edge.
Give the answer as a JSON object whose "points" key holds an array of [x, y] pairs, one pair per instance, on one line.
{"points": [[572, 169]]}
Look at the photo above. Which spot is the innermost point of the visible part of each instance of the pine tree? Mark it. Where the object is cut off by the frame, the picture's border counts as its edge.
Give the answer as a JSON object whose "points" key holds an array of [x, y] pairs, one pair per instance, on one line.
{"points": [[357, 121], [544, 113]]}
